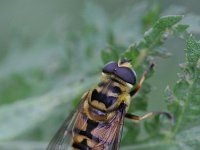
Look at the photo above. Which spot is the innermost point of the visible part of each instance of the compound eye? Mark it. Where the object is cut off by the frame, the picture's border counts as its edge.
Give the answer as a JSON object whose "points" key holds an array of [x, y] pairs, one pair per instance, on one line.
{"points": [[126, 74], [110, 67]]}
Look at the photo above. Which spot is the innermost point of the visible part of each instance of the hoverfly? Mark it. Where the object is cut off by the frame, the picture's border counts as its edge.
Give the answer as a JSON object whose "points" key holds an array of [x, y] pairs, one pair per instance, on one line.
{"points": [[98, 121]]}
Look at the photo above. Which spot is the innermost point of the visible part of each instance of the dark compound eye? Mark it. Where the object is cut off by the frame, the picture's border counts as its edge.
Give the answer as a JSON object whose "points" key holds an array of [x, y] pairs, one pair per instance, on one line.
{"points": [[110, 67], [126, 74]]}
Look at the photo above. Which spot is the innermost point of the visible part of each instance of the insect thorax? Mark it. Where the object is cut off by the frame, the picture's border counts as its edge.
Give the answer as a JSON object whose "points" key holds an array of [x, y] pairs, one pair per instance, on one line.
{"points": [[106, 97]]}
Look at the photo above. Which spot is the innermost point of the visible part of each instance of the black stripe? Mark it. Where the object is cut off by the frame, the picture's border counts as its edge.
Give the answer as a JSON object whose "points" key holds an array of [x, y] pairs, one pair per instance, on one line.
{"points": [[84, 133], [84, 142], [91, 125], [116, 89], [122, 107], [103, 98], [82, 146]]}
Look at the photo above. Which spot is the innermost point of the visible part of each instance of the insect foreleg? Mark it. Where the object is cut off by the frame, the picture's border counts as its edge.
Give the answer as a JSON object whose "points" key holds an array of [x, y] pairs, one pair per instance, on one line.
{"points": [[139, 85], [148, 115]]}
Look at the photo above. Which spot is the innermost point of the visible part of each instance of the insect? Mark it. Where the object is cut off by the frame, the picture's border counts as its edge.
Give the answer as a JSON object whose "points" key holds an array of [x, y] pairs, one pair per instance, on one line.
{"points": [[98, 121]]}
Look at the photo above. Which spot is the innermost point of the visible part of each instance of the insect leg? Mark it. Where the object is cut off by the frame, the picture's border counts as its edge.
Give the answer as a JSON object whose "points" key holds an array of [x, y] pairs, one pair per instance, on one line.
{"points": [[148, 115], [138, 86]]}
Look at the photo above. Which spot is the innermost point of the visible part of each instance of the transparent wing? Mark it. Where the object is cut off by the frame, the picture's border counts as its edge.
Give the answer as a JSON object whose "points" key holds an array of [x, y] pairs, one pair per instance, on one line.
{"points": [[62, 139], [110, 134], [117, 140]]}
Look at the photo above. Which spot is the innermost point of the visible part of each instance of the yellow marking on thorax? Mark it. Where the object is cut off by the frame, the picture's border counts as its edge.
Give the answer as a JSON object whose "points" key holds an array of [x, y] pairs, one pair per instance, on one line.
{"points": [[94, 117], [98, 105], [125, 98], [99, 88], [112, 94]]}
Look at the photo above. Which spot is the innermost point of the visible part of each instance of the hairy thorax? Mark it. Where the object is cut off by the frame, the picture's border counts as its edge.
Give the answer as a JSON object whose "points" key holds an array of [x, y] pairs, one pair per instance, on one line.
{"points": [[104, 100]]}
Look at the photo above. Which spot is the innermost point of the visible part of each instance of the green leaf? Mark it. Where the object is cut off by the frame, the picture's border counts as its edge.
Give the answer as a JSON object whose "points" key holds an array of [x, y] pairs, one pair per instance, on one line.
{"points": [[153, 38], [156, 33], [186, 92], [192, 51], [181, 27]]}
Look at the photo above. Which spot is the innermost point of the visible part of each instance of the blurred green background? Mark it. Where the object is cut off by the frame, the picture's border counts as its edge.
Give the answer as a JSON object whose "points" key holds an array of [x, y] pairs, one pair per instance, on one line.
{"points": [[50, 54]]}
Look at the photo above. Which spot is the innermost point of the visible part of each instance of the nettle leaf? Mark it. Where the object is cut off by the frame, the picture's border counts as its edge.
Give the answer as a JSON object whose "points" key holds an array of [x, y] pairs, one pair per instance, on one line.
{"points": [[180, 30], [192, 103], [184, 101], [153, 38], [192, 51], [155, 34]]}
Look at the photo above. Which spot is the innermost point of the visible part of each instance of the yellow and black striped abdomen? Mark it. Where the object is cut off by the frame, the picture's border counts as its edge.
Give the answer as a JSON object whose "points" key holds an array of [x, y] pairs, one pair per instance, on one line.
{"points": [[92, 135], [83, 138]]}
